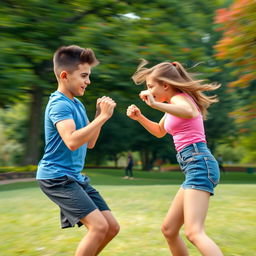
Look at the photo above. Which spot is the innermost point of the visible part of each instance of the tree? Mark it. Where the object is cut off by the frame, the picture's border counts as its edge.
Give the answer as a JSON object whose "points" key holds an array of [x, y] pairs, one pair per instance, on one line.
{"points": [[32, 31], [237, 45], [120, 32], [183, 31], [13, 133], [238, 42]]}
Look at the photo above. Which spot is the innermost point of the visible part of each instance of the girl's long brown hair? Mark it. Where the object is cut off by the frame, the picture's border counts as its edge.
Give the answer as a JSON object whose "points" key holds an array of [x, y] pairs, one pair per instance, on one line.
{"points": [[174, 74]]}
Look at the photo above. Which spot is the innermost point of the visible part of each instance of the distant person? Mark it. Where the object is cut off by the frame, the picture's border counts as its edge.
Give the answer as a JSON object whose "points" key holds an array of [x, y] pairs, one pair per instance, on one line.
{"points": [[171, 90], [220, 162], [129, 167], [68, 134]]}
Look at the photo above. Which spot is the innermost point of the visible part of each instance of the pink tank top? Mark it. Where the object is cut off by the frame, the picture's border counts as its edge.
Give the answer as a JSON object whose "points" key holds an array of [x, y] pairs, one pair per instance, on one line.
{"points": [[185, 131]]}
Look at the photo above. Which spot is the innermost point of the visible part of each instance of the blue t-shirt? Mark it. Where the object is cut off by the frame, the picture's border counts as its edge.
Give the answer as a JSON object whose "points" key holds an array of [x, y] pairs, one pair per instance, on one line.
{"points": [[58, 159]]}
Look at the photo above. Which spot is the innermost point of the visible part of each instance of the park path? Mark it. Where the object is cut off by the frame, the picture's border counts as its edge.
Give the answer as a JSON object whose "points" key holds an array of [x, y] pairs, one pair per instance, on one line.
{"points": [[3, 182]]}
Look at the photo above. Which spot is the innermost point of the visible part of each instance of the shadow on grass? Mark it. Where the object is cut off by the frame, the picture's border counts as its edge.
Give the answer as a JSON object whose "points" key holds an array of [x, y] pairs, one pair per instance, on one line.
{"points": [[114, 177]]}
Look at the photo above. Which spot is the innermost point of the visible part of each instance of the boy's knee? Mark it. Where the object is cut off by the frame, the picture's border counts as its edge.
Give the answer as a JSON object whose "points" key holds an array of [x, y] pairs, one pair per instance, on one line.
{"points": [[101, 228], [113, 230]]}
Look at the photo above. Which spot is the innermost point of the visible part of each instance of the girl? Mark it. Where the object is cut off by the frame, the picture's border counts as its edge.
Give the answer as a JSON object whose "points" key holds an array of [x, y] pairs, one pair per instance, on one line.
{"points": [[172, 90]]}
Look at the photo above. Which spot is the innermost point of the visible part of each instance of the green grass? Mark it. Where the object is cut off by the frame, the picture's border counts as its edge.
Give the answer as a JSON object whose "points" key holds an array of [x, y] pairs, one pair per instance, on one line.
{"points": [[30, 222], [113, 177]]}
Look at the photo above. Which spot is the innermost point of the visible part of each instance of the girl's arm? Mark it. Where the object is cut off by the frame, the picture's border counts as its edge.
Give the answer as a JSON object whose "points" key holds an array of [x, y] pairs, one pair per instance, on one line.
{"points": [[180, 106], [156, 129]]}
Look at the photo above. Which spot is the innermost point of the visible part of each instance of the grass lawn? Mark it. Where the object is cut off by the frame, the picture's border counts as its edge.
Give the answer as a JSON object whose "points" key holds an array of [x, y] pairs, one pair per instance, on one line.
{"points": [[30, 222]]}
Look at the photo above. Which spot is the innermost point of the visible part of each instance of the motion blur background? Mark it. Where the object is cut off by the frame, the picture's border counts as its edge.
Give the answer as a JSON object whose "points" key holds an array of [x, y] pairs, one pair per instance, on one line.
{"points": [[214, 39]]}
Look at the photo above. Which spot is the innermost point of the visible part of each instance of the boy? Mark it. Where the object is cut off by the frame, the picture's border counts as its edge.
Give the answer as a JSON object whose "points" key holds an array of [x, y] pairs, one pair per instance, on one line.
{"points": [[68, 133]]}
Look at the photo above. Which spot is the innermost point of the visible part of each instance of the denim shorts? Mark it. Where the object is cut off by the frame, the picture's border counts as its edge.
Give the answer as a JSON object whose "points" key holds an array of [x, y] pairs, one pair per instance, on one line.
{"points": [[75, 199], [199, 166]]}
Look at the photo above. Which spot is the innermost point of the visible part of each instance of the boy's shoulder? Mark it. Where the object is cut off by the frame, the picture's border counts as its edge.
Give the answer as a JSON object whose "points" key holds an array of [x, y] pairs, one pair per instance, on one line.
{"points": [[60, 101], [57, 96]]}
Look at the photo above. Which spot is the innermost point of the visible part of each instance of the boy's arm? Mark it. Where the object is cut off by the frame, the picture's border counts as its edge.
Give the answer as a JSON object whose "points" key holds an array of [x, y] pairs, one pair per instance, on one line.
{"points": [[75, 138], [156, 129], [93, 140]]}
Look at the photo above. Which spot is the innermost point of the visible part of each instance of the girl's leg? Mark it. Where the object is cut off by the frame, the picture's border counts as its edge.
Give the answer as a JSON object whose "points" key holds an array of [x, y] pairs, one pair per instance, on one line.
{"points": [[112, 231], [172, 224], [97, 231], [195, 210]]}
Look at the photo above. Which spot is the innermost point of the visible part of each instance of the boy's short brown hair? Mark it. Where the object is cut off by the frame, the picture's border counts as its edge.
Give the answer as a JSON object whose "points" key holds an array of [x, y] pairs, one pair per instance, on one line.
{"points": [[69, 57]]}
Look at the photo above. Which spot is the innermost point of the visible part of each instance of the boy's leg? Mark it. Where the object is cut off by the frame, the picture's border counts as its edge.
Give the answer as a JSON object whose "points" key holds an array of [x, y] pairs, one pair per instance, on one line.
{"points": [[195, 209], [112, 231], [113, 226], [97, 230], [172, 224], [75, 201]]}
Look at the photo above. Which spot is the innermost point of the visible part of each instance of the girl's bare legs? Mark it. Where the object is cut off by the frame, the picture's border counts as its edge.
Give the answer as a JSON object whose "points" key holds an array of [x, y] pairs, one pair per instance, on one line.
{"points": [[195, 210], [172, 224], [99, 233]]}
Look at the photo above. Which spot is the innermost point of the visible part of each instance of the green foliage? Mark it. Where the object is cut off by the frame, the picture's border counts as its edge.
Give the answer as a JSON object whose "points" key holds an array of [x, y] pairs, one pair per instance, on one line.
{"points": [[237, 48], [230, 153], [248, 144], [120, 32], [237, 43], [27, 168], [13, 131]]}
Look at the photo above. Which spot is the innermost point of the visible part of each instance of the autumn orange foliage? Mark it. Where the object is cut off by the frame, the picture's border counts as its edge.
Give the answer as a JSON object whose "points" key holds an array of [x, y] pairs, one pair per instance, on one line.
{"points": [[238, 44]]}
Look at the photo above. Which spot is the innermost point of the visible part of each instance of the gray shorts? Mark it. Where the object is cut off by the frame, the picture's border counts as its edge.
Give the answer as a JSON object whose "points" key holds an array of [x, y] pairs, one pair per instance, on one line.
{"points": [[76, 199]]}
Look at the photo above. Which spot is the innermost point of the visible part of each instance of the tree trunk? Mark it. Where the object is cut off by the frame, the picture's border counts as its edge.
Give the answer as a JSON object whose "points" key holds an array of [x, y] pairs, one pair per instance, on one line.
{"points": [[34, 130], [145, 159], [116, 161]]}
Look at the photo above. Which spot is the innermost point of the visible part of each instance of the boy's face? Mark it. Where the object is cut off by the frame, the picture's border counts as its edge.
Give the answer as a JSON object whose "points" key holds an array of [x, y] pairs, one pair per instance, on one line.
{"points": [[77, 81]]}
